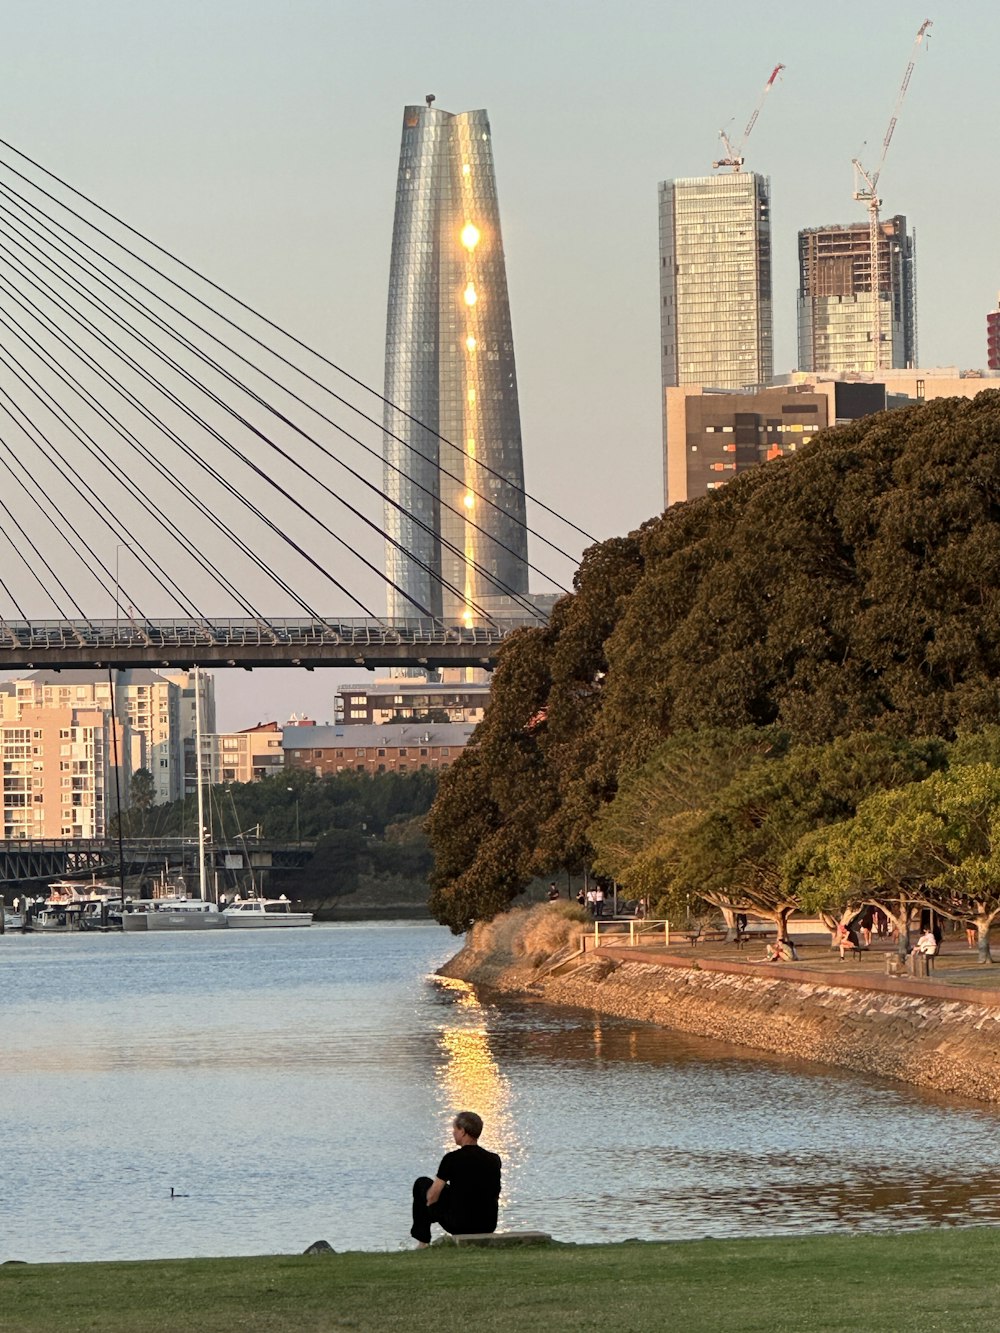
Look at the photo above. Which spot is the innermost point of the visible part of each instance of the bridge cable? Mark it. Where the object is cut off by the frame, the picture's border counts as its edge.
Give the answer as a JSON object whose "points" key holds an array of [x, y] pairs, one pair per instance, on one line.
{"points": [[67, 307], [45, 564], [16, 604], [243, 305], [217, 476], [95, 451], [67, 471], [126, 297], [91, 447], [123, 294]]}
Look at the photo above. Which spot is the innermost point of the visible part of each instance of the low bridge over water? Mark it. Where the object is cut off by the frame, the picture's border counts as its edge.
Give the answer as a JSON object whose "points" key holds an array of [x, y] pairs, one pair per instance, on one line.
{"points": [[85, 858]]}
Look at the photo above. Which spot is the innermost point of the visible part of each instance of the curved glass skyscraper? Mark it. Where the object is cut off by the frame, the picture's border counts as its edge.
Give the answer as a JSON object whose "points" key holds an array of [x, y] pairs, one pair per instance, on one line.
{"points": [[452, 425]]}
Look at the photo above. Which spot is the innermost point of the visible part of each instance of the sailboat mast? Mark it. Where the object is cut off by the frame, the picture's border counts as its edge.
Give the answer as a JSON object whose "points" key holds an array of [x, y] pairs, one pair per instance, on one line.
{"points": [[202, 881]]}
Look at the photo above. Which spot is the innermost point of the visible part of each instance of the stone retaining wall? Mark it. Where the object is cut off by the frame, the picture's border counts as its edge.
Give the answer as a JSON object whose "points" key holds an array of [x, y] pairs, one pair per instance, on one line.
{"points": [[947, 1044]]}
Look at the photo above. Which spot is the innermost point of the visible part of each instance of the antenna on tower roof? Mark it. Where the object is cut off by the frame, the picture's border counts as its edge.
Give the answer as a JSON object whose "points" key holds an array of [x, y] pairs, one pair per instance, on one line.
{"points": [[429, 98]]}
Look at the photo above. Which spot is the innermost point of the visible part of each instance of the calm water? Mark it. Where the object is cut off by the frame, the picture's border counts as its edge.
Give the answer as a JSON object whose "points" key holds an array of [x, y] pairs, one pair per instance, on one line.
{"points": [[291, 1085]]}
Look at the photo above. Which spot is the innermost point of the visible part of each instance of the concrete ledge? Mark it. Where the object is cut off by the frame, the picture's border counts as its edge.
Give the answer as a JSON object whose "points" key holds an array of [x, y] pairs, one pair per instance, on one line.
{"points": [[847, 977], [498, 1239]]}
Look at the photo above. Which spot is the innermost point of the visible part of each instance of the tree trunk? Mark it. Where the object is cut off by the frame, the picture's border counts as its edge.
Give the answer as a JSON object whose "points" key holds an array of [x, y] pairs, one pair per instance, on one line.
{"points": [[983, 924], [902, 919], [781, 921]]}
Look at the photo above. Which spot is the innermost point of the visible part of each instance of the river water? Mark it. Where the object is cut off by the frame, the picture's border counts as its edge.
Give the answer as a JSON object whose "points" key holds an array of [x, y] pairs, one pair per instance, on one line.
{"points": [[291, 1084]]}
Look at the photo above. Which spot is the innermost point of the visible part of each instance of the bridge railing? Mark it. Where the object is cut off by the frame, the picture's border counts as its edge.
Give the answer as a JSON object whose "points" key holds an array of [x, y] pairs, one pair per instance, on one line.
{"points": [[225, 632]]}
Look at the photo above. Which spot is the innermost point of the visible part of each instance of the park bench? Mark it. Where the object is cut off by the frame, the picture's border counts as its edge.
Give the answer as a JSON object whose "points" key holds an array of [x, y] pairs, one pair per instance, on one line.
{"points": [[760, 930], [708, 935]]}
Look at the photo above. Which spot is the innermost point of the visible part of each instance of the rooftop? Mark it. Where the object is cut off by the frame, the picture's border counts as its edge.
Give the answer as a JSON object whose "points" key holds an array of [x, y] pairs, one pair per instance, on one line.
{"points": [[365, 736]]}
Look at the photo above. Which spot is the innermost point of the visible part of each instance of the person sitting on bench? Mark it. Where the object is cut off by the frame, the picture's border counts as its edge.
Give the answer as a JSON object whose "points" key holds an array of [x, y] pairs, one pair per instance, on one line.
{"points": [[463, 1196], [926, 944], [847, 939]]}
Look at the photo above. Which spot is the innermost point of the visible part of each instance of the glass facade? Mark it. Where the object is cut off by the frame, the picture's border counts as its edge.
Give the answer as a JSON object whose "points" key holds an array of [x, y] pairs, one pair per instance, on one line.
{"points": [[449, 365], [835, 298], [715, 281]]}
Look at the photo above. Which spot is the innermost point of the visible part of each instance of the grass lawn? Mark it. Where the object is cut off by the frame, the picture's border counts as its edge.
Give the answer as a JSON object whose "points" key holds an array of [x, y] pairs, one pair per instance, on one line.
{"points": [[912, 1282]]}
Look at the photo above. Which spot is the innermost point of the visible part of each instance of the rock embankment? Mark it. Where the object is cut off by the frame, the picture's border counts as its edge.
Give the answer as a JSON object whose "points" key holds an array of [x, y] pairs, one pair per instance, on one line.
{"points": [[948, 1045]]}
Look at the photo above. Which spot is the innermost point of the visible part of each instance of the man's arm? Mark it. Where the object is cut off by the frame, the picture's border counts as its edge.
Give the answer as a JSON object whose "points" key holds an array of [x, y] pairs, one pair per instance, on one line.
{"points": [[434, 1193]]}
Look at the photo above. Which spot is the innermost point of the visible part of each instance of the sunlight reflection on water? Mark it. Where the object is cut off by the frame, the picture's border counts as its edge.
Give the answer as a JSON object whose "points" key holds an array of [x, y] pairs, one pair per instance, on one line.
{"points": [[293, 1084]]}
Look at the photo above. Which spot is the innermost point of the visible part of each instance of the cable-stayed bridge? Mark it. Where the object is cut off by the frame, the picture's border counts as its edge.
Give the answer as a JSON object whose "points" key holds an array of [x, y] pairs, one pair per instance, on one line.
{"points": [[184, 482]]}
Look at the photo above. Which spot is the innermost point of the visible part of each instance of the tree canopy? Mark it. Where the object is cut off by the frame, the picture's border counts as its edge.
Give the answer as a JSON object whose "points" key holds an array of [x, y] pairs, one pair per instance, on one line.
{"points": [[851, 588]]}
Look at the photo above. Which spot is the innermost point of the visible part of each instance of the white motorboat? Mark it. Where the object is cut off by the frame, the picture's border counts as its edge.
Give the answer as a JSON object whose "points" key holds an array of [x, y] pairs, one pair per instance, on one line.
{"points": [[173, 914], [75, 906], [265, 913], [51, 918]]}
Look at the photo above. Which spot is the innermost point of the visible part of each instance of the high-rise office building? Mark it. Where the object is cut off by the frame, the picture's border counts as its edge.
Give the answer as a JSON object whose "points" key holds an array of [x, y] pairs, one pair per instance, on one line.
{"points": [[452, 443], [836, 316], [715, 281]]}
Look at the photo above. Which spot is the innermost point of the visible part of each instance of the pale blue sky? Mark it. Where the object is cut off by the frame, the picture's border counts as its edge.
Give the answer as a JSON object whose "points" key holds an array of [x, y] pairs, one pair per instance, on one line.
{"points": [[259, 140]]}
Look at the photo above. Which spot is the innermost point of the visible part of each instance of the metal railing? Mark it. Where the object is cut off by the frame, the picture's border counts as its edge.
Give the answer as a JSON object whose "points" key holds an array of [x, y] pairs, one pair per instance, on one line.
{"points": [[635, 929], [223, 632]]}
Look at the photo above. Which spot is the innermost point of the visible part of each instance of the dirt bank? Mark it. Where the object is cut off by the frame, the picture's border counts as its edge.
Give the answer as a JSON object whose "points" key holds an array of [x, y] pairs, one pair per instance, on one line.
{"points": [[946, 1044]]}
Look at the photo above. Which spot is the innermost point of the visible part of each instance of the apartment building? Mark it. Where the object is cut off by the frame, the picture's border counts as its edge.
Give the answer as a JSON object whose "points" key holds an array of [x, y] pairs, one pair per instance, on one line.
{"points": [[243, 756], [150, 704], [59, 775]]}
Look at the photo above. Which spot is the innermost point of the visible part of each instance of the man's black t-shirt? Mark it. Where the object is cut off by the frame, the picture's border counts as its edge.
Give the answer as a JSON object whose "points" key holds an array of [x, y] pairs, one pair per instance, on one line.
{"points": [[473, 1177]]}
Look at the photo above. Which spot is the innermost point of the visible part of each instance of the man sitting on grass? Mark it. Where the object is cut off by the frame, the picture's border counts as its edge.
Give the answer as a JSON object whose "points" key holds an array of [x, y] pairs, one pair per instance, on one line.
{"points": [[462, 1198]]}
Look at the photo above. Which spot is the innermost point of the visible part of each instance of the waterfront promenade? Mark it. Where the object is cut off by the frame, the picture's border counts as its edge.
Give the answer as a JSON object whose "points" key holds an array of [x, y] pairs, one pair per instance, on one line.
{"points": [[956, 974], [941, 1032]]}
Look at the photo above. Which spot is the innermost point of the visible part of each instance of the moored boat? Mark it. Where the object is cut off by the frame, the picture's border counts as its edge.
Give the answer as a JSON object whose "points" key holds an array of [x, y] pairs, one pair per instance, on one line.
{"points": [[51, 918], [174, 914], [265, 913]]}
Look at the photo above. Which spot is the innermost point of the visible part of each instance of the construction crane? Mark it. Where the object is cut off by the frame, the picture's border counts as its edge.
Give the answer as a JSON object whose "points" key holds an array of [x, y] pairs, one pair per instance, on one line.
{"points": [[734, 156], [866, 191]]}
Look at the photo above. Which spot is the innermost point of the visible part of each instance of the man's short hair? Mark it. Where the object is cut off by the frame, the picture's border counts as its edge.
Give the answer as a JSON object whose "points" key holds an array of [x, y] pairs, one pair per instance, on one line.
{"points": [[469, 1123]]}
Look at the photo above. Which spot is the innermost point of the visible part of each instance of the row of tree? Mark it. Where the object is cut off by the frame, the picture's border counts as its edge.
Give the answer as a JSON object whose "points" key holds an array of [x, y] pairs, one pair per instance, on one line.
{"points": [[746, 821], [288, 807], [850, 590]]}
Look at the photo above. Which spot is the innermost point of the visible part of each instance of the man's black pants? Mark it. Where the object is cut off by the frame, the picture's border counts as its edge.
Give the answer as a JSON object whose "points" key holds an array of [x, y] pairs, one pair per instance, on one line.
{"points": [[423, 1215]]}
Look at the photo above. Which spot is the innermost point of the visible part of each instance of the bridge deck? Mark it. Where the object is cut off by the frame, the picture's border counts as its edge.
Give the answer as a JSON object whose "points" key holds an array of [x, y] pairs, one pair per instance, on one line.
{"points": [[249, 643]]}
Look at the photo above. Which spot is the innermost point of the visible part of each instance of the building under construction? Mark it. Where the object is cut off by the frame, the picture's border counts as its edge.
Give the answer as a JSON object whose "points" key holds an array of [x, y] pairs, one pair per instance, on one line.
{"points": [[835, 313]]}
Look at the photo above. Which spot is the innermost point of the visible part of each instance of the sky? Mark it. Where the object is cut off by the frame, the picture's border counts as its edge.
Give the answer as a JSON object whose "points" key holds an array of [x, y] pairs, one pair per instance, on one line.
{"points": [[259, 140]]}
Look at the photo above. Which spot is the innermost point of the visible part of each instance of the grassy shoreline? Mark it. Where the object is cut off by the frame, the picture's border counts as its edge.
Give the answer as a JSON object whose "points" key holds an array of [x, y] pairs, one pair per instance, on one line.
{"points": [[915, 1281]]}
